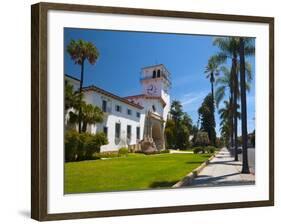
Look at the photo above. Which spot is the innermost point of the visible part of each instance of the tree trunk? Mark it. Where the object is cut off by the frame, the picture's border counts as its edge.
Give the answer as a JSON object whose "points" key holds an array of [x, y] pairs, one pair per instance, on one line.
{"points": [[80, 90], [84, 127], [232, 109], [245, 166], [235, 93], [213, 137]]}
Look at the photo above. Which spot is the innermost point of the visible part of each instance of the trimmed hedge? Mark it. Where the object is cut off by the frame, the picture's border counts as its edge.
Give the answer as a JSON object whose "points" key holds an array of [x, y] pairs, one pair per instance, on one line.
{"points": [[207, 149]]}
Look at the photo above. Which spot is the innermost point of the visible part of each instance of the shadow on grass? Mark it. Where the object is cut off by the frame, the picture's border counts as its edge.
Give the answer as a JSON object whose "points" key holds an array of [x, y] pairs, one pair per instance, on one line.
{"points": [[191, 162], [157, 184]]}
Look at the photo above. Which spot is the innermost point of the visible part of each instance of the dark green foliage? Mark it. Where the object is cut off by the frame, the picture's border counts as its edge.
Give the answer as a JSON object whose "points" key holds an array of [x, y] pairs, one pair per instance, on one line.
{"points": [[207, 118], [123, 151], [202, 139], [202, 149], [82, 146], [198, 149], [178, 127], [210, 149], [71, 143]]}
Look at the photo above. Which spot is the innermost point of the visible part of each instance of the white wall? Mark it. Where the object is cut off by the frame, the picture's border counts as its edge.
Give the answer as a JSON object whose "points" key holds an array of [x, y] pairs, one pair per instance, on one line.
{"points": [[15, 117], [112, 117]]}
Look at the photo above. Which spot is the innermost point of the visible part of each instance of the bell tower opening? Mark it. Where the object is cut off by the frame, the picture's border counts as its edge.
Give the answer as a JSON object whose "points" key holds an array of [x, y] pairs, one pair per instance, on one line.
{"points": [[155, 80]]}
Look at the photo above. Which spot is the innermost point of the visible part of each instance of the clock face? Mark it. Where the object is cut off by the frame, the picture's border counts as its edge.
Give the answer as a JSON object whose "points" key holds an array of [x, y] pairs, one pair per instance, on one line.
{"points": [[151, 89]]}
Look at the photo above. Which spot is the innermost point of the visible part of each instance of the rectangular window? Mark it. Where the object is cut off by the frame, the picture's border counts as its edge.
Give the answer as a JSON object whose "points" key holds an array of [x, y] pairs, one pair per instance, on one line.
{"points": [[104, 106], [117, 130], [105, 129], [138, 133], [129, 112], [138, 114], [118, 108], [129, 131]]}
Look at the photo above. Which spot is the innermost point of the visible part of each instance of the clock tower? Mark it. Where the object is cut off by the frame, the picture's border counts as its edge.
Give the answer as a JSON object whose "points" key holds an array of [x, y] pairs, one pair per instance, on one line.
{"points": [[156, 82]]}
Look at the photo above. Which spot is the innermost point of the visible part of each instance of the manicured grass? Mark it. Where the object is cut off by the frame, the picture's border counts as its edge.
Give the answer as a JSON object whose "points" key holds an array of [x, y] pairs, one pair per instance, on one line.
{"points": [[134, 172]]}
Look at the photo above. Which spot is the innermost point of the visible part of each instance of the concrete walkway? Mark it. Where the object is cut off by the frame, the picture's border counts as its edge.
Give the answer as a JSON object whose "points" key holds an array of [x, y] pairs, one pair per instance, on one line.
{"points": [[173, 151], [222, 170]]}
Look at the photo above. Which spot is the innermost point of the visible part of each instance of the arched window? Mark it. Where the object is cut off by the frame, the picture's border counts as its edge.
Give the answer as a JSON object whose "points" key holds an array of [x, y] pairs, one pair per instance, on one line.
{"points": [[154, 74], [153, 108], [158, 73]]}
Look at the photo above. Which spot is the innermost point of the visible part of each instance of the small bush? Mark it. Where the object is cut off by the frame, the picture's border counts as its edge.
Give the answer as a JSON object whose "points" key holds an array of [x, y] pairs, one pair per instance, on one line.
{"points": [[198, 149], [82, 146], [210, 149], [71, 143], [123, 151]]}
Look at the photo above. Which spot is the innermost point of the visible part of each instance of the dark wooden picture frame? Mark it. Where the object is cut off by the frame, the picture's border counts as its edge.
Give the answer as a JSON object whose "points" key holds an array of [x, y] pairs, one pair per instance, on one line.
{"points": [[39, 106]]}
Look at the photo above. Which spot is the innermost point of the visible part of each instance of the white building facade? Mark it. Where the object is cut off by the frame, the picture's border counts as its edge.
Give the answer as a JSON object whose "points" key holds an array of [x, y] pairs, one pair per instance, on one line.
{"points": [[135, 121]]}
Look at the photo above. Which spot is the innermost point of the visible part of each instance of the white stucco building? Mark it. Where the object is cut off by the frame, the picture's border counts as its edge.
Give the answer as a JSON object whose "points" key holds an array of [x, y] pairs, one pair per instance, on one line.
{"points": [[133, 121]]}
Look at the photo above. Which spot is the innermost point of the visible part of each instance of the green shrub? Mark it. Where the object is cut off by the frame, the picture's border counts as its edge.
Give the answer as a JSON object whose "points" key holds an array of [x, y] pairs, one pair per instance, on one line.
{"points": [[210, 149], [123, 151], [71, 143], [198, 149], [164, 151], [82, 146]]}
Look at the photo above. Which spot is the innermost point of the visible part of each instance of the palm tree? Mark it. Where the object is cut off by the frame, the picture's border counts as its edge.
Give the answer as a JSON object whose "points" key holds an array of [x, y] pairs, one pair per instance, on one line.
{"points": [[223, 84], [80, 51], [89, 115], [212, 69], [229, 50], [226, 122], [250, 50], [71, 98]]}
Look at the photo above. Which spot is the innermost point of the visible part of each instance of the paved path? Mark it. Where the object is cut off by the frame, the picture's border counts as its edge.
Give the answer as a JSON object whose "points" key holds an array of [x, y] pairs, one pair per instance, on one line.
{"points": [[222, 170], [180, 152]]}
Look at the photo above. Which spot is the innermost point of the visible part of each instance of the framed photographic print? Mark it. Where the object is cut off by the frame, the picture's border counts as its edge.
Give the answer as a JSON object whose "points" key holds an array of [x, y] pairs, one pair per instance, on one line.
{"points": [[140, 111]]}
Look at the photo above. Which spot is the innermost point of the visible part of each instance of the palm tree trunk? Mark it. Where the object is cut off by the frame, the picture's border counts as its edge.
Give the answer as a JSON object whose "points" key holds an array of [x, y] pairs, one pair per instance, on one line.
{"points": [[232, 110], [213, 111], [245, 165], [235, 93], [80, 90]]}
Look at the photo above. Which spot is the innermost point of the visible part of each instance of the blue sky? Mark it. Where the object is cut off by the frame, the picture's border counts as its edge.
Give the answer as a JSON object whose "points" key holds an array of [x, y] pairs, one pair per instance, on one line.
{"points": [[123, 54]]}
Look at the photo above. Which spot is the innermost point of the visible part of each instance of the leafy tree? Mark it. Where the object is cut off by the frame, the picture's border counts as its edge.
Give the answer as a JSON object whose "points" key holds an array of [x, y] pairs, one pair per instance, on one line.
{"points": [[207, 118], [178, 127], [202, 139], [170, 134], [80, 51]]}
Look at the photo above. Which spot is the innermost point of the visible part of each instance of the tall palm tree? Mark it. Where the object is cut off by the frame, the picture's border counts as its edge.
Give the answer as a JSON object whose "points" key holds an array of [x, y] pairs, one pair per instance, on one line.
{"points": [[223, 85], [80, 51], [212, 69], [249, 50], [226, 114], [229, 50]]}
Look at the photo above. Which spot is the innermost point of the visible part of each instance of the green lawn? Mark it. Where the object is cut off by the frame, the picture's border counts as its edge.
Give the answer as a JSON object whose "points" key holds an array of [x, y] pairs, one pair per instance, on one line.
{"points": [[134, 172]]}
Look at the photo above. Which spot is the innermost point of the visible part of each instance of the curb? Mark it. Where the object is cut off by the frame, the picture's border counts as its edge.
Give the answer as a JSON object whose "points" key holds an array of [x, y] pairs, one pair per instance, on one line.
{"points": [[194, 173]]}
